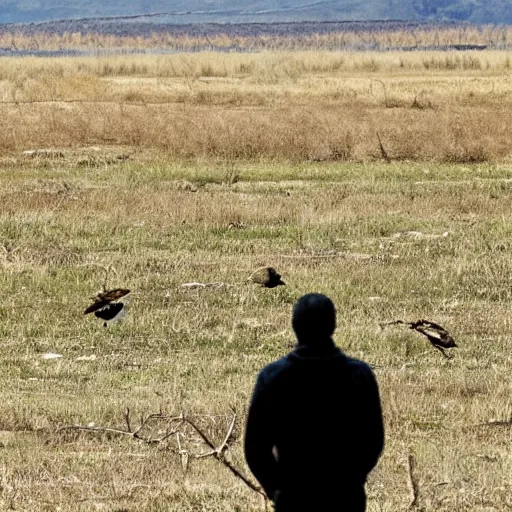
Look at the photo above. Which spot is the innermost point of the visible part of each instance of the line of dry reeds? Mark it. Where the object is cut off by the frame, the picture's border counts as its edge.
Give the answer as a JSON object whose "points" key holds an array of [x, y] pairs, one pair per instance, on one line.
{"points": [[142, 38]]}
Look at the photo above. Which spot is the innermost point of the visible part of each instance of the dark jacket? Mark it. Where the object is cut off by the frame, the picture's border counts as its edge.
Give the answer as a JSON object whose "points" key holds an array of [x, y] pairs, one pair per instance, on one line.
{"points": [[314, 429]]}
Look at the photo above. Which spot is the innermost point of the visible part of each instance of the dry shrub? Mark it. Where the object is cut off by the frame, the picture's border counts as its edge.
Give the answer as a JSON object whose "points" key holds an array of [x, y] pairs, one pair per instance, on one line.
{"points": [[453, 135], [422, 101], [285, 134], [453, 62], [334, 133], [77, 87]]}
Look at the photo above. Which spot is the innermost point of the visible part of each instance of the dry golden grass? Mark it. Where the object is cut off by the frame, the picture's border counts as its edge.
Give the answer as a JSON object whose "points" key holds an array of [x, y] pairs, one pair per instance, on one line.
{"points": [[445, 107], [449, 107]]}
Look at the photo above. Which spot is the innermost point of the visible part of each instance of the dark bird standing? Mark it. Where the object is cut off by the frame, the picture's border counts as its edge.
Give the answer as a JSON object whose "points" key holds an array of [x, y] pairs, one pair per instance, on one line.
{"points": [[267, 277], [110, 312]]}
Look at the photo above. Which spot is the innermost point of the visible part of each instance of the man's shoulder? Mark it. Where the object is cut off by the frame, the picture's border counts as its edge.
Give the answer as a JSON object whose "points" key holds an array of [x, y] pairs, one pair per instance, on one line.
{"points": [[275, 368], [357, 365], [360, 371], [357, 368]]}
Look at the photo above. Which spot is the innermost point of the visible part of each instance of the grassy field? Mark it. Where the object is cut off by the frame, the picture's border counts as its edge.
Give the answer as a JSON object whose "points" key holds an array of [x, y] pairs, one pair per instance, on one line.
{"points": [[423, 236]]}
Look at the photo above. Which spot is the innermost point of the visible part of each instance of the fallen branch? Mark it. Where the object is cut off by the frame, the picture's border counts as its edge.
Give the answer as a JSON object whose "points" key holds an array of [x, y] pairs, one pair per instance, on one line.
{"points": [[183, 453], [218, 453], [195, 285], [177, 424], [127, 419], [135, 434], [493, 423], [311, 256]]}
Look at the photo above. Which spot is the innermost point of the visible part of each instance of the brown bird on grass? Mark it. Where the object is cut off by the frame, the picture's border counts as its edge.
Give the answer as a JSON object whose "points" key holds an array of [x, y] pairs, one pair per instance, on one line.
{"points": [[438, 336], [105, 305], [267, 277]]}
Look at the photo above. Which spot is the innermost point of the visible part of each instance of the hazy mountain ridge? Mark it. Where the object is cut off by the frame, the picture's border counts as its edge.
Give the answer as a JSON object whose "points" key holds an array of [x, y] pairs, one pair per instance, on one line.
{"points": [[263, 11]]}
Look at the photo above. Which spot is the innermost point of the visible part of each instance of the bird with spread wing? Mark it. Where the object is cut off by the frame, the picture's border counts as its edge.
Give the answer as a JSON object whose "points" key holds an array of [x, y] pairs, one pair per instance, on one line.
{"points": [[106, 305], [438, 336]]}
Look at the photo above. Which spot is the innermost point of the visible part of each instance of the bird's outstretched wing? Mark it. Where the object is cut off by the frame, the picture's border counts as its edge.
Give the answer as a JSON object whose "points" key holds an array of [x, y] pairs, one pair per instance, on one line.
{"points": [[105, 297], [96, 306], [109, 311], [111, 295], [260, 275]]}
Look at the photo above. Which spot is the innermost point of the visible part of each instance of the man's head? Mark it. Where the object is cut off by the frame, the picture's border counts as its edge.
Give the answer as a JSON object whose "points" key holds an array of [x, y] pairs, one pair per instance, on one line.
{"points": [[314, 318]]}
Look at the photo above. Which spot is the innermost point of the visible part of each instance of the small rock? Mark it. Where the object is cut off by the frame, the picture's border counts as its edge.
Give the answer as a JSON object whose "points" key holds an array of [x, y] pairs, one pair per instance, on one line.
{"points": [[51, 355], [193, 286], [92, 357], [186, 186]]}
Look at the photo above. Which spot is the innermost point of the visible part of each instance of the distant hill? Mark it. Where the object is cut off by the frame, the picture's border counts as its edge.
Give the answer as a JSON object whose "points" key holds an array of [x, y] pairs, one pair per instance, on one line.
{"points": [[263, 11]]}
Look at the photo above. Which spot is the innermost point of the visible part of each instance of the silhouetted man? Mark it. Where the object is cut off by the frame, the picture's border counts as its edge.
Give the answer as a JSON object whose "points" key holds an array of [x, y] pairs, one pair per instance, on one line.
{"points": [[314, 429]]}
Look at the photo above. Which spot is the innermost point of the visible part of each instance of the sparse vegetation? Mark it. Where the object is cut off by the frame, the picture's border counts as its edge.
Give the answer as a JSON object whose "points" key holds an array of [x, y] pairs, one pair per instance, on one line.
{"points": [[170, 177]]}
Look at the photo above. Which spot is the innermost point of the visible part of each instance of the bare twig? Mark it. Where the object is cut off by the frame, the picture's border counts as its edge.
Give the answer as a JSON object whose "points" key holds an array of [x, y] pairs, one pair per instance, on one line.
{"points": [[383, 150], [506, 423], [95, 429], [224, 443], [220, 456], [412, 482], [196, 285], [217, 451], [183, 453], [392, 322], [135, 434], [127, 419], [493, 423]]}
